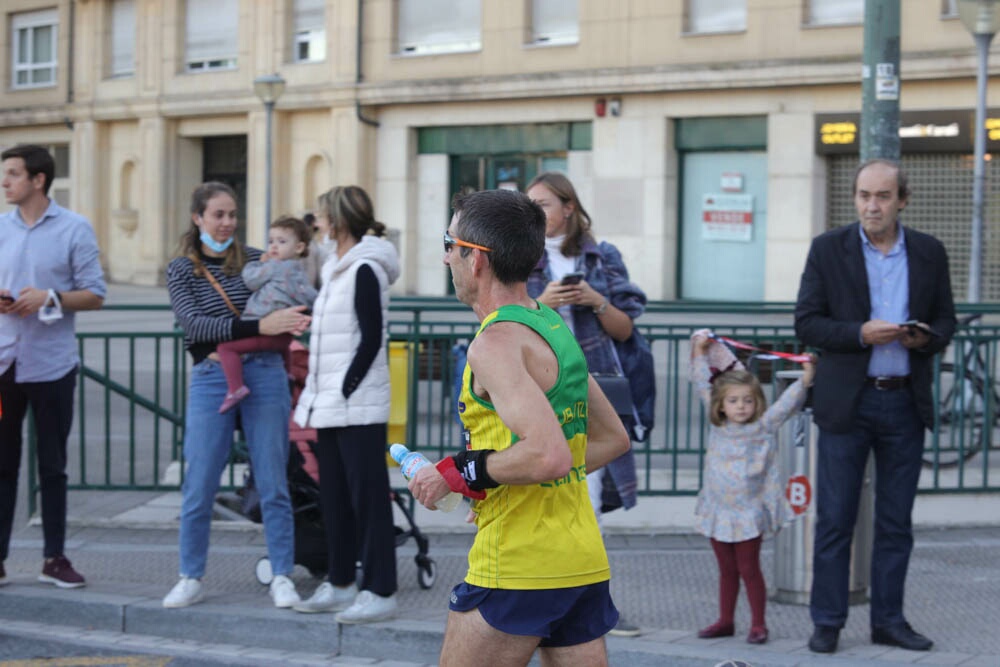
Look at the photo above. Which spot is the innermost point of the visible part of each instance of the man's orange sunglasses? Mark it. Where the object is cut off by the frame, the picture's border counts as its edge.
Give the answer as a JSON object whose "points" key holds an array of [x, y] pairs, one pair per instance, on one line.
{"points": [[450, 241]]}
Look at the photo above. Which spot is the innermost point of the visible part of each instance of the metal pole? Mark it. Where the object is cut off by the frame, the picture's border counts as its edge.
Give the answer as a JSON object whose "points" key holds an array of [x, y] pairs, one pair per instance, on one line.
{"points": [[979, 172], [880, 81], [269, 108]]}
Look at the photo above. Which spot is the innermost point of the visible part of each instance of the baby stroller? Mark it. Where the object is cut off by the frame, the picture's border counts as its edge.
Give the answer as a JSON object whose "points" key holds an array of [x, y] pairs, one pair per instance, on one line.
{"points": [[303, 488]]}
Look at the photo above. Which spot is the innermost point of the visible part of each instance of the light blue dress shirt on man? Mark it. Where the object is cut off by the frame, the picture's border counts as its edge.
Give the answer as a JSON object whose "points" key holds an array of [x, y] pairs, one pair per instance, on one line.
{"points": [[889, 291], [58, 252]]}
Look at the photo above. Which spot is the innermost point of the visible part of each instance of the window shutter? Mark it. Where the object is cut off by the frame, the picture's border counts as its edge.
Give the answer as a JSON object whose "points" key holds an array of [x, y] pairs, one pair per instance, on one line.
{"points": [[212, 31], [309, 15], [435, 26], [122, 37], [717, 15], [555, 21], [832, 12]]}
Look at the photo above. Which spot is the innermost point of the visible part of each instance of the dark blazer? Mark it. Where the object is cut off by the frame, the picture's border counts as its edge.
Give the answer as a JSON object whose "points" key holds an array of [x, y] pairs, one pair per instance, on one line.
{"points": [[834, 302]]}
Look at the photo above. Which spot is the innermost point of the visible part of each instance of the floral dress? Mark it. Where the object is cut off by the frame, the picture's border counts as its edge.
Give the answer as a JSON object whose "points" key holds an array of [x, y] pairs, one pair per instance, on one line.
{"points": [[742, 496]]}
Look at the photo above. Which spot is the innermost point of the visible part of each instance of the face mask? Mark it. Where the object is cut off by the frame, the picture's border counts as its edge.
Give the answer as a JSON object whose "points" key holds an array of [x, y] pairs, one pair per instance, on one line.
{"points": [[215, 246]]}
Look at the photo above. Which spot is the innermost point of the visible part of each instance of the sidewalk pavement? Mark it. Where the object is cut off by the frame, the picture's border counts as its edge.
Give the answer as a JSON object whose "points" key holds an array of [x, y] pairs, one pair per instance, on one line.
{"points": [[663, 579]]}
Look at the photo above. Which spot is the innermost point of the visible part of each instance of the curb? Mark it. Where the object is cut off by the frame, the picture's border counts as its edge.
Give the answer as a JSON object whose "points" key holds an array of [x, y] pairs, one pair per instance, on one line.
{"points": [[241, 621]]}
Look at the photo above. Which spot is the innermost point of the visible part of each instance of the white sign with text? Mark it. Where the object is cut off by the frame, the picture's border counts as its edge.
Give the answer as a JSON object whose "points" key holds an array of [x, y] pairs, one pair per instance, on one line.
{"points": [[726, 217]]}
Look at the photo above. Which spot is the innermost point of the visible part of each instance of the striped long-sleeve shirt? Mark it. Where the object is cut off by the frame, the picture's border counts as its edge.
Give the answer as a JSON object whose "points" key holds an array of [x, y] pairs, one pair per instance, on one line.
{"points": [[200, 309]]}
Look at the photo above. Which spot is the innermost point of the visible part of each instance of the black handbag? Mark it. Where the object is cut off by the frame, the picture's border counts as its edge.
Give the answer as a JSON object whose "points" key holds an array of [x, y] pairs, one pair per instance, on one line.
{"points": [[618, 391]]}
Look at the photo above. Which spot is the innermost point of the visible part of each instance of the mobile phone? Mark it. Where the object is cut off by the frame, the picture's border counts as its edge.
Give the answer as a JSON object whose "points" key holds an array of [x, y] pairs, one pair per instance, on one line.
{"points": [[572, 278], [915, 326]]}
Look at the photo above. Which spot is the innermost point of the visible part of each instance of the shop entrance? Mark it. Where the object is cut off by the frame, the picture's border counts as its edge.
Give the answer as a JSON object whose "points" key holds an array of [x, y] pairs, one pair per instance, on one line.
{"points": [[512, 172], [723, 225]]}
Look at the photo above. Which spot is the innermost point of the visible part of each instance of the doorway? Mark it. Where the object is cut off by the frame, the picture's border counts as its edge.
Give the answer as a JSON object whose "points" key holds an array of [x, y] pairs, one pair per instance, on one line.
{"points": [[723, 224], [224, 159], [511, 171]]}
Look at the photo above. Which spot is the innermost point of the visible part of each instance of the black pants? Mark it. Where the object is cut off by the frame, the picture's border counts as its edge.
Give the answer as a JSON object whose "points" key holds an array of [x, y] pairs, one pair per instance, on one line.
{"points": [[357, 510], [52, 405]]}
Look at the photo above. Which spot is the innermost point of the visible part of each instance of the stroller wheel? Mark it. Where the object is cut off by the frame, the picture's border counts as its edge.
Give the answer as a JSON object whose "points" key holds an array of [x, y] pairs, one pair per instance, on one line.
{"points": [[265, 575], [426, 572]]}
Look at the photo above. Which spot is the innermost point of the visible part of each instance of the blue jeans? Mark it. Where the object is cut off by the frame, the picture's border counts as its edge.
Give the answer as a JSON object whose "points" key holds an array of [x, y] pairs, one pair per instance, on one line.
{"points": [[887, 424], [208, 437]]}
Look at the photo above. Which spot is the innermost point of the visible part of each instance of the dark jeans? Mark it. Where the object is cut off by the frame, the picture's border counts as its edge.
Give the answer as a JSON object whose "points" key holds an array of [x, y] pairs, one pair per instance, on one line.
{"points": [[888, 425], [357, 510], [52, 405]]}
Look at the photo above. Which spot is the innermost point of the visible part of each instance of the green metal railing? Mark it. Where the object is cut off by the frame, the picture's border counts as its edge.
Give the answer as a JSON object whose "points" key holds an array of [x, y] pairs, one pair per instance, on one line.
{"points": [[132, 391]]}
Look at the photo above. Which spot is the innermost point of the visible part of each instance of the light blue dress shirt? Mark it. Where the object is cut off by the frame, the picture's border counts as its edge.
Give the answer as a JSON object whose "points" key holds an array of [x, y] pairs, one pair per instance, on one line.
{"points": [[58, 252], [889, 291]]}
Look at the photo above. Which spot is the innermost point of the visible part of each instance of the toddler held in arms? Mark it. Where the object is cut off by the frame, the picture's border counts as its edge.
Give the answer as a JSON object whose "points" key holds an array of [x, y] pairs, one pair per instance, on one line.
{"points": [[278, 280]]}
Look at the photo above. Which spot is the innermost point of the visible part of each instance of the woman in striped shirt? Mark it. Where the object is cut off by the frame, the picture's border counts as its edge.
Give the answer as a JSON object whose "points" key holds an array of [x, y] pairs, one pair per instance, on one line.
{"points": [[207, 294]]}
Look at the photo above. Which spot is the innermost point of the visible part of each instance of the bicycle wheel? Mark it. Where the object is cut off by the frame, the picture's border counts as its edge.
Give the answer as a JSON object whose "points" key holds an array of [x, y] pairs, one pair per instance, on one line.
{"points": [[963, 405]]}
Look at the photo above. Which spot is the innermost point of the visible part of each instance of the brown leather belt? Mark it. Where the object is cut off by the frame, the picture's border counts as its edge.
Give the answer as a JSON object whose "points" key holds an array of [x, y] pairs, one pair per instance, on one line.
{"points": [[888, 382]]}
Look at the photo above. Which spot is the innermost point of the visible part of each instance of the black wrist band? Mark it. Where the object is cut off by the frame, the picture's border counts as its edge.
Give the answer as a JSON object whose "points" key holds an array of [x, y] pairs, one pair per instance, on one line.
{"points": [[471, 465]]}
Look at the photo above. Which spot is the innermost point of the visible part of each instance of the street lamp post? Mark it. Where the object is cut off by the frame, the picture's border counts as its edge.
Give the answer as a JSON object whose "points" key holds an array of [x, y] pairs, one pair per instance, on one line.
{"points": [[268, 88], [982, 19]]}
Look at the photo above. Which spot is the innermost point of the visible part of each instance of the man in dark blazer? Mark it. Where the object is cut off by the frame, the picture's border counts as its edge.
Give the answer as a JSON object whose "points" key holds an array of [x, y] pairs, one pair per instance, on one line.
{"points": [[863, 286]]}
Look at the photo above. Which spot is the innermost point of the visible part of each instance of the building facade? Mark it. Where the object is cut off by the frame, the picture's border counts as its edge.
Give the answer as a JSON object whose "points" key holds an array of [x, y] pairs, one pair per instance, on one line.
{"points": [[701, 134]]}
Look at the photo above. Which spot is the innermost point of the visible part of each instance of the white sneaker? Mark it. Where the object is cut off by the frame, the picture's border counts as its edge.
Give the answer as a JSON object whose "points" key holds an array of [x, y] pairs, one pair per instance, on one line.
{"points": [[368, 608], [328, 598], [283, 592], [185, 593]]}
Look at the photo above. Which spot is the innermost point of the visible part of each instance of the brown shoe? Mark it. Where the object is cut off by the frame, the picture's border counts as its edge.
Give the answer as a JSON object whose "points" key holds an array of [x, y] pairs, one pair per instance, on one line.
{"points": [[59, 571], [758, 635]]}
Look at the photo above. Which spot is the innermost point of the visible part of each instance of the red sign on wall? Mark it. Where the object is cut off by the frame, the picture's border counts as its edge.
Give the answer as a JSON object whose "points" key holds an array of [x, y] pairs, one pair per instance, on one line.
{"points": [[799, 493]]}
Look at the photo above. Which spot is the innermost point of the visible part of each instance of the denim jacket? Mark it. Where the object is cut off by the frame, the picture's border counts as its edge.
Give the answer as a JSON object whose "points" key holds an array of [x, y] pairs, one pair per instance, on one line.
{"points": [[604, 271]]}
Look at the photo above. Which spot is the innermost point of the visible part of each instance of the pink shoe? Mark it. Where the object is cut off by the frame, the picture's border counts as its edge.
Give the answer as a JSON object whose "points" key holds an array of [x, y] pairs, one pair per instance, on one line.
{"points": [[233, 398]]}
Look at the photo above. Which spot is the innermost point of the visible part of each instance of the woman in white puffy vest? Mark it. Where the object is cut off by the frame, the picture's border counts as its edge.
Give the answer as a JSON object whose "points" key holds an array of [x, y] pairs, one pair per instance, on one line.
{"points": [[347, 399]]}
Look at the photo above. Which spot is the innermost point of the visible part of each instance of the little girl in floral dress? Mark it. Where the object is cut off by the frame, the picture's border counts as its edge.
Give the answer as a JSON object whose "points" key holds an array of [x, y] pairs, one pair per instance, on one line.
{"points": [[742, 499]]}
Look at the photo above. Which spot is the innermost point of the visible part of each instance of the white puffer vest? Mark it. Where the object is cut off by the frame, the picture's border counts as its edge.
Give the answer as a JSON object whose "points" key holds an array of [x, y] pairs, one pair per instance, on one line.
{"points": [[335, 338]]}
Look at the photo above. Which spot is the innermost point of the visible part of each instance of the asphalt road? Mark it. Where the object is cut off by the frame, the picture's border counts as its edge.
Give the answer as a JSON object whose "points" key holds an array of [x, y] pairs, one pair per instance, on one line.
{"points": [[20, 651]]}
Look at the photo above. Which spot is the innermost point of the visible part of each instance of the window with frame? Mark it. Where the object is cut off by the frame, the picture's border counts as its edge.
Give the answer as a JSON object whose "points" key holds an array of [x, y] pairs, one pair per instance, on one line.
{"points": [[555, 22], [309, 26], [439, 26], [212, 34], [707, 16], [949, 8], [35, 46], [121, 60], [835, 12]]}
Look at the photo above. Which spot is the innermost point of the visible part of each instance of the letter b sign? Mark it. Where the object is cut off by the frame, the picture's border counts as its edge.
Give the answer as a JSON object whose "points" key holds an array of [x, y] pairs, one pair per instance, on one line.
{"points": [[799, 493]]}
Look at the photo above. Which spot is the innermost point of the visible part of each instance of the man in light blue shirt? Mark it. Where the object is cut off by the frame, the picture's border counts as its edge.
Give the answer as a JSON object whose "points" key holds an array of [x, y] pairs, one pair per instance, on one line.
{"points": [[49, 269], [876, 298]]}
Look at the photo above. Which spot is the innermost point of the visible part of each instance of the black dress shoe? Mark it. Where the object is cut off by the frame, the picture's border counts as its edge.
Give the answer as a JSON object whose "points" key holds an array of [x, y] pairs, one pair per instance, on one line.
{"points": [[824, 639], [903, 636]]}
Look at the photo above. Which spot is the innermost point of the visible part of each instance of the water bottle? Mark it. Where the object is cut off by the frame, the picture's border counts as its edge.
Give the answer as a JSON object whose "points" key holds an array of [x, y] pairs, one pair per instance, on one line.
{"points": [[410, 462]]}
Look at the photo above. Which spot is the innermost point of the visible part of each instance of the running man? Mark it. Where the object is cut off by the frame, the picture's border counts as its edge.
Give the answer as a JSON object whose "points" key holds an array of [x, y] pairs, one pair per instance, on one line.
{"points": [[535, 424]]}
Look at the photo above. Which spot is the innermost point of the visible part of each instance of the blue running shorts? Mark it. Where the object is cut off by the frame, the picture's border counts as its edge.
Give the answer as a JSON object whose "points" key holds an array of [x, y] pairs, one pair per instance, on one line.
{"points": [[560, 616]]}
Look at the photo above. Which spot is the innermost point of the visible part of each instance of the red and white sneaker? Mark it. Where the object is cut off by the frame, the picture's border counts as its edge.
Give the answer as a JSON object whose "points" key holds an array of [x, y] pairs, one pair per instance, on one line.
{"points": [[59, 571]]}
